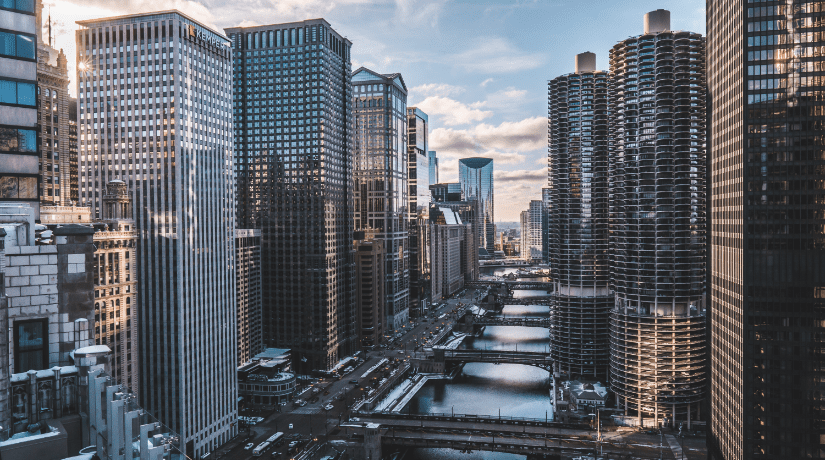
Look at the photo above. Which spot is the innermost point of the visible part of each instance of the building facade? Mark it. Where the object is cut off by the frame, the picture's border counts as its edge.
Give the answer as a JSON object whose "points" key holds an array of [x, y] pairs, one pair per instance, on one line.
{"points": [[293, 167], [418, 172], [380, 180], [115, 278], [536, 211], [369, 287], [765, 78], [546, 196], [657, 215], [53, 92], [154, 103], [476, 178], [19, 172], [453, 251], [248, 285], [578, 222], [433, 159]]}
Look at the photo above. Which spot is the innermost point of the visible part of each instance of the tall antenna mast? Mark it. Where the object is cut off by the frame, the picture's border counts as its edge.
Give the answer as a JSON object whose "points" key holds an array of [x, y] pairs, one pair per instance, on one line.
{"points": [[50, 27]]}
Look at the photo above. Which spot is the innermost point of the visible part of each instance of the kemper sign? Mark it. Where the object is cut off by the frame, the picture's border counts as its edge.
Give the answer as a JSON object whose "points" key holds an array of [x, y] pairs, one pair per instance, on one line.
{"points": [[195, 32]]}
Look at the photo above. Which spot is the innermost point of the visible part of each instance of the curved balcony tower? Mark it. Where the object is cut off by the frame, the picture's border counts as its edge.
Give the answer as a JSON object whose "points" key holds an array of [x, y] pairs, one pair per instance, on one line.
{"points": [[657, 216], [578, 223]]}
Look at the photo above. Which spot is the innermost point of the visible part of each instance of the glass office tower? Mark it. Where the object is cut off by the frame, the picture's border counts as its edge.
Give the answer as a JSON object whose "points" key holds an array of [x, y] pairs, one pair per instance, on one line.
{"points": [[578, 221], [154, 103], [433, 167], [380, 180], [476, 178], [293, 168], [418, 173], [766, 75], [657, 223]]}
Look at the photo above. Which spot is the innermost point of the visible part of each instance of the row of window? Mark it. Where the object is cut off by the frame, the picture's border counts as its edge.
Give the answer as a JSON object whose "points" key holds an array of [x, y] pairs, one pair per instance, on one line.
{"points": [[17, 93], [26, 6], [18, 140], [16, 45]]}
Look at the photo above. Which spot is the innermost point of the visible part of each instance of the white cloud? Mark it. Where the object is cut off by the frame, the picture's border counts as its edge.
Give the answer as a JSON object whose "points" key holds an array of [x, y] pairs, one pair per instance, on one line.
{"points": [[450, 111], [434, 89], [514, 190], [418, 13], [496, 55], [507, 99], [486, 82]]}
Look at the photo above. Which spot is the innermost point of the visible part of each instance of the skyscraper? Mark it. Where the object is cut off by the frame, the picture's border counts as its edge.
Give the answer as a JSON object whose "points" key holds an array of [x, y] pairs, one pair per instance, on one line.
{"points": [[248, 285], [380, 180], [534, 239], [154, 101], [767, 257], [578, 221], [657, 216], [418, 172], [18, 104], [476, 178], [293, 168], [431, 155]]}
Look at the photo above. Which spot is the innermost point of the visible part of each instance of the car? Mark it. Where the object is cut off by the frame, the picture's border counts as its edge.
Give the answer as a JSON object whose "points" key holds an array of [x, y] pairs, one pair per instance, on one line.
{"points": [[328, 407], [651, 432], [249, 446], [293, 444], [354, 382], [400, 352], [290, 426], [275, 455]]}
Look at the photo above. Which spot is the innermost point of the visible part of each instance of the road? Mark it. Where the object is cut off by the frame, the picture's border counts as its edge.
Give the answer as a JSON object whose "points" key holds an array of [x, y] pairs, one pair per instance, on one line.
{"points": [[313, 421]]}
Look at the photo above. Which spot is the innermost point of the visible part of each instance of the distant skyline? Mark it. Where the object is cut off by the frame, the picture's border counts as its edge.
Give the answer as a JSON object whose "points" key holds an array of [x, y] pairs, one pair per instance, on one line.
{"points": [[479, 69]]}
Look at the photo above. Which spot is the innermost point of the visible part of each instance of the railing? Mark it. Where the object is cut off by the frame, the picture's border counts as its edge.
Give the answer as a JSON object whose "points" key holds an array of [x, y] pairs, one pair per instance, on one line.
{"points": [[474, 418]]}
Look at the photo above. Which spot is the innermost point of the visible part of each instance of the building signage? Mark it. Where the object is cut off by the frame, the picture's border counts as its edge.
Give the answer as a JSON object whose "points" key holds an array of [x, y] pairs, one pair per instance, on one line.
{"points": [[196, 33]]}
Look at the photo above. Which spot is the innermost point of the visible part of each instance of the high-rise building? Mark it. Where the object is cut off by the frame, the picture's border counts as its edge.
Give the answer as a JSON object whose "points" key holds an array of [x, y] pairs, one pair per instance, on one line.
{"points": [[54, 115], [433, 167], [154, 103], [578, 222], [248, 285], [657, 216], [19, 153], [369, 290], [446, 192], [115, 270], [536, 211], [454, 254], [74, 191], [418, 172], [545, 225], [293, 168], [524, 236], [380, 180], [476, 178], [767, 258]]}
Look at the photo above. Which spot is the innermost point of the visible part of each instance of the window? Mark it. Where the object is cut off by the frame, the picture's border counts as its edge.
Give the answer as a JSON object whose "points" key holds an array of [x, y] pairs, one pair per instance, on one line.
{"points": [[17, 92], [26, 6], [18, 187], [30, 345], [16, 45], [18, 140]]}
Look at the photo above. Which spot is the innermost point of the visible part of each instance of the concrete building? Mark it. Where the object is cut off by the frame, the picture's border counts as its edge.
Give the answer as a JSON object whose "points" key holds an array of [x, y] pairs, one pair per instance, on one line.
{"points": [[454, 254], [369, 288], [380, 176], [476, 178], [168, 136], [293, 167], [767, 278], [418, 172], [53, 117], [267, 379], [657, 181], [524, 235], [536, 214], [249, 295], [578, 223], [466, 212], [19, 153], [545, 224]]}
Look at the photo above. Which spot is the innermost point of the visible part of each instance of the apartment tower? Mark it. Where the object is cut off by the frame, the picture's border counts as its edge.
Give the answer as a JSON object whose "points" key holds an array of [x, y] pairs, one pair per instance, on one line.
{"points": [[767, 251], [658, 337], [578, 221], [293, 167], [154, 110]]}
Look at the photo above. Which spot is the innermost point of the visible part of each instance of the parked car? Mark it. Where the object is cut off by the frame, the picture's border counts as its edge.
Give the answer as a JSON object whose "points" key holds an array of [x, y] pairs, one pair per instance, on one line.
{"points": [[354, 382], [328, 407], [249, 446]]}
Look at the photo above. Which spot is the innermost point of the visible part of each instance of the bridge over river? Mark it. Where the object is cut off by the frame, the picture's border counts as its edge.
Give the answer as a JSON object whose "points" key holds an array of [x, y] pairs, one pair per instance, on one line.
{"points": [[529, 358]]}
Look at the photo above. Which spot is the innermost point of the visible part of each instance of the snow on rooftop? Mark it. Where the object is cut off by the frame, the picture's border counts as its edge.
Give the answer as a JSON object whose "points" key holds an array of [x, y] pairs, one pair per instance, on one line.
{"points": [[94, 349]]}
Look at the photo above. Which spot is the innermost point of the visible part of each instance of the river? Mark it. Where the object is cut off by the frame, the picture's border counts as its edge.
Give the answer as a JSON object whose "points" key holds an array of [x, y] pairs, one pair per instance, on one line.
{"points": [[486, 389]]}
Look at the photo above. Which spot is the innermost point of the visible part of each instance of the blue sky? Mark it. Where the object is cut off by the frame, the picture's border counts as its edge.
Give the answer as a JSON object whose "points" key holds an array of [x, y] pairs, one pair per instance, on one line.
{"points": [[478, 68]]}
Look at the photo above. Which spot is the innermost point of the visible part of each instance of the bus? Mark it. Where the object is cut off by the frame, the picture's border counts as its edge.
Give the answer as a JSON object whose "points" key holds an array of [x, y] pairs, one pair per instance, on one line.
{"points": [[260, 449], [275, 437]]}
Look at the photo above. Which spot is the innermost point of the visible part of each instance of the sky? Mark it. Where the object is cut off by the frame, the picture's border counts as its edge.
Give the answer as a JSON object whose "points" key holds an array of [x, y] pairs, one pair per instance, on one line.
{"points": [[479, 69]]}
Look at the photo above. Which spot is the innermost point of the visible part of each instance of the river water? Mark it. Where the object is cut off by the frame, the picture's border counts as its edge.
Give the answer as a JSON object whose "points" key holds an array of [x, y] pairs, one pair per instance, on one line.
{"points": [[486, 389]]}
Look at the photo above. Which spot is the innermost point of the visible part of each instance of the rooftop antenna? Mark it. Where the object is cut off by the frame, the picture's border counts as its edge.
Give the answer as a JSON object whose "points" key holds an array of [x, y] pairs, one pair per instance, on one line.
{"points": [[50, 27]]}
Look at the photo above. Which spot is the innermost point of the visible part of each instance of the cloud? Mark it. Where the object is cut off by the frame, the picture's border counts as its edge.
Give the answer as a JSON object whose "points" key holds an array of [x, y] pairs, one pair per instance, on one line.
{"points": [[497, 55], [513, 191], [486, 82], [450, 111], [520, 175], [525, 135], [435, 89], [418, 13], [507, 99]]}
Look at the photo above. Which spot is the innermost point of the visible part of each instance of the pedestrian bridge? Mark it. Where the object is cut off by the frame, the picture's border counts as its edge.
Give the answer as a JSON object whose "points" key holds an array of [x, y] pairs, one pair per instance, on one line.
{"points": [[511, 285], [537, 300]]}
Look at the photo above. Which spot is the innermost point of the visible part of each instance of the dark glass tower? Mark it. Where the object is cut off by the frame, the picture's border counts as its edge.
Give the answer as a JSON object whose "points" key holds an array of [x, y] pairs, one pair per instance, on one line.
{"points": [[578, 222], [293, 168], [418, 174], [380, 175], [657, 218], [476, 178], [767, 240]]}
